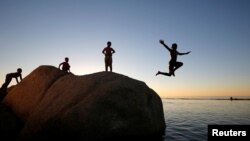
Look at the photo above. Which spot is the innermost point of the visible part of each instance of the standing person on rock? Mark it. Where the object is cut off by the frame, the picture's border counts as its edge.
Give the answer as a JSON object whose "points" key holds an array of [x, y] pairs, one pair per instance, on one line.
{"points": [[108, 52]]}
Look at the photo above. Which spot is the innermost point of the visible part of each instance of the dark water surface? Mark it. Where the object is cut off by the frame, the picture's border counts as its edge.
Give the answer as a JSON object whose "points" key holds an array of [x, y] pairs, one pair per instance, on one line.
{"points": [[187, 119]]}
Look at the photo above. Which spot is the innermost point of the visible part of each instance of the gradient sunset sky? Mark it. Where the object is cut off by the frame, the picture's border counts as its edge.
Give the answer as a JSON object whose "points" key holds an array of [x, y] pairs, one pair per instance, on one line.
{"points": [[43, 32]]}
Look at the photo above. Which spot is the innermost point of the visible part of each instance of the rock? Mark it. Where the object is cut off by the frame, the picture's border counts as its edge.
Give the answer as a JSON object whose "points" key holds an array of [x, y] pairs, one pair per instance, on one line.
{"points": [[3, 93], [99, 106], [10, 124], [25, 96]]}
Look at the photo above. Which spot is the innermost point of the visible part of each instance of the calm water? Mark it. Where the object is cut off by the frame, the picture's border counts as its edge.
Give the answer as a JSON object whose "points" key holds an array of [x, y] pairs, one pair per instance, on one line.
{"points": [[187, 119]]}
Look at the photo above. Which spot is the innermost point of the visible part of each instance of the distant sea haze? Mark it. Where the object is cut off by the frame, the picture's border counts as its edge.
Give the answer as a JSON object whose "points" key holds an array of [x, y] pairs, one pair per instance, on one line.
{"points": [[210, 97], [188, 118]]}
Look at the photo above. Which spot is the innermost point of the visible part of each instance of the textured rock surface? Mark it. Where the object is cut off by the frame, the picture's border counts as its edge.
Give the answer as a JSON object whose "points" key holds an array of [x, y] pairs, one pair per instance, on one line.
{"points": [[102, 105]]}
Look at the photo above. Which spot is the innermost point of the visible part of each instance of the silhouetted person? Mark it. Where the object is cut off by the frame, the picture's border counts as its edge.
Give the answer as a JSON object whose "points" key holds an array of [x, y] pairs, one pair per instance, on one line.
{"points": [[173, 64], [108, 51], [9, 77], [65, 65]]}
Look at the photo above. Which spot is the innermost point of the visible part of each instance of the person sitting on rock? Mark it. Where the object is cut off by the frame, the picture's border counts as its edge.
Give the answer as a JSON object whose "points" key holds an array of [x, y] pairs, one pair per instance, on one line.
{"points": [[9, 77], [65, 65]]}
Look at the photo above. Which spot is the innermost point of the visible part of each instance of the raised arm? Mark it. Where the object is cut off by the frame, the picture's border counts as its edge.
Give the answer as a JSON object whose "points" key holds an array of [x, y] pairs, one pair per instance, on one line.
{"points": [[162, 42]]}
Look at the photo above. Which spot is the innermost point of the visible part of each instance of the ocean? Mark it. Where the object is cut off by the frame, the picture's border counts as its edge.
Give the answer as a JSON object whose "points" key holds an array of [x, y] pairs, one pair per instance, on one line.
{"points": [[187, 119]]}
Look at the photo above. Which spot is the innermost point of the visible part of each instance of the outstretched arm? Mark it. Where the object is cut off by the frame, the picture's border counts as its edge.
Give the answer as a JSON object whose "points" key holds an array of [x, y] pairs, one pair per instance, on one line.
{"points": [[162, 42], [183, 53]]}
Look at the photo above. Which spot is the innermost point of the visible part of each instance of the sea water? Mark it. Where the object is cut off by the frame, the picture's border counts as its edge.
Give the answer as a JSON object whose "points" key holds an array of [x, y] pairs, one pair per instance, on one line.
{"points": [[187, 119]]}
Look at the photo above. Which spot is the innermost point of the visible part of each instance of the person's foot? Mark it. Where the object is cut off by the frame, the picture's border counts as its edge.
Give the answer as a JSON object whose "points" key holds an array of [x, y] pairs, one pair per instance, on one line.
{"points": [[157, 73], [173, 74]]}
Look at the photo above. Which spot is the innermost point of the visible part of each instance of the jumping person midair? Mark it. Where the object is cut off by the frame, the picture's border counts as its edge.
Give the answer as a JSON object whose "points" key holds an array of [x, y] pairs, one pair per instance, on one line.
{"points": [[173, 64]]}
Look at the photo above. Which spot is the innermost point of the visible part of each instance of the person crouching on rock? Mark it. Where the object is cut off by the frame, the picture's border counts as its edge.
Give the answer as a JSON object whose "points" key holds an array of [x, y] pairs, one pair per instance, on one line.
{"points": [[9, 77], [65, 65]]}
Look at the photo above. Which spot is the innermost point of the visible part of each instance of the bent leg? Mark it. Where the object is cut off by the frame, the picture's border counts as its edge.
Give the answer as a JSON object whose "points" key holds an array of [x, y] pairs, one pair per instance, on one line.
{"points": [[4, 86], [178, 65], [171, 69], [163, 73], [7, 82]]}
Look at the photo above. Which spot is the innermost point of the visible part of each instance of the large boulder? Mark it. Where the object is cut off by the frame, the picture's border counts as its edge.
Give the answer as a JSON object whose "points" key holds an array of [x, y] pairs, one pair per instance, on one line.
{"points": [[10, 124], [24, 97], [103, 105]]}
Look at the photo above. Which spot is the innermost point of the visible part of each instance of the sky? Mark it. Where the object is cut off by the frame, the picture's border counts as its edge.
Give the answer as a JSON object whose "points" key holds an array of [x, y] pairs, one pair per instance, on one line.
{"points": [[44, 32]]}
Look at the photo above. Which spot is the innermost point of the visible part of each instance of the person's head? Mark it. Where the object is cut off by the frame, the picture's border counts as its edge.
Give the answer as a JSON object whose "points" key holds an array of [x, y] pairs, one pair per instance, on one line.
{"points": [[66, 59], [109, 43], [19, 70], [174, 46]]}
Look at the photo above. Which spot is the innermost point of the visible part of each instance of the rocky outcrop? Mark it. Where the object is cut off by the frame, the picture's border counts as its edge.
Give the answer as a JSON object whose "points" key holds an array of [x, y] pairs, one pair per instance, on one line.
{"points": [[104, 105], [10, 124], [25, 96]]}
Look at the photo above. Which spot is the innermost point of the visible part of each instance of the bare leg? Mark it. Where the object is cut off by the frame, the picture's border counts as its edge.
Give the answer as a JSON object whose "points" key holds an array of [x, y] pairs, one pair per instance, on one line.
{"points": [[106, 68], [163, 73], [106, 59], [7, 82], [177, 65], [110, 64], [171, 70], [110, 68], [4, 86]]}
